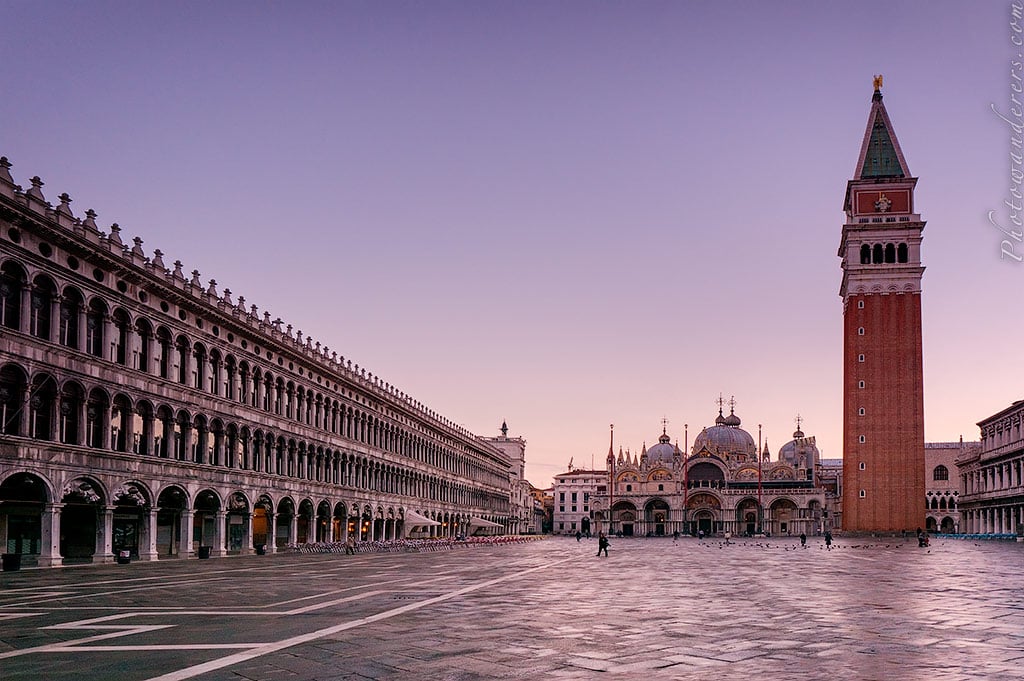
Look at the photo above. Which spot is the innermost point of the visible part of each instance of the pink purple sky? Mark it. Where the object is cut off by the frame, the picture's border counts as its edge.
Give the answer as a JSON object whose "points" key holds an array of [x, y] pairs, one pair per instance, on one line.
{"points": [[564, 215]]}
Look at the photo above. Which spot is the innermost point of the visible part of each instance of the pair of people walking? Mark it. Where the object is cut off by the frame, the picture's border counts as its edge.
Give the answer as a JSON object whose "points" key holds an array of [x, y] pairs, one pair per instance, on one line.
{"points": [[602, 545]]}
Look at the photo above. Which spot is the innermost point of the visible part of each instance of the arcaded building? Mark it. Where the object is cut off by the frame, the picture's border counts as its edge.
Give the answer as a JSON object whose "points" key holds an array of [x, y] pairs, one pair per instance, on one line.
{"points": [[992, 476], [145, 410], [724, 484]]}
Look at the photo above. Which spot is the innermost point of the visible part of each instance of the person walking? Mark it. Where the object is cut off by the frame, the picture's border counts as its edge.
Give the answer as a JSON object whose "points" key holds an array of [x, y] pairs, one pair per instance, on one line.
{"points": [[350, 545], [602, 545], [803, 539], [579, 535], [828, 539]]}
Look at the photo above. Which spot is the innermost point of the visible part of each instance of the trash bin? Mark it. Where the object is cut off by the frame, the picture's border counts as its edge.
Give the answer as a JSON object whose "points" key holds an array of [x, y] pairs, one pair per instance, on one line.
{"points": [[11, 562], [261, 549], [124, 557], [204, 551]]}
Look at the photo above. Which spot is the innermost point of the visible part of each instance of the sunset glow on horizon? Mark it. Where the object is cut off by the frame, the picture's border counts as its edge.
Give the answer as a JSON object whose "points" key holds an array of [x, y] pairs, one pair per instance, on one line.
{"points": [[561, 216]]}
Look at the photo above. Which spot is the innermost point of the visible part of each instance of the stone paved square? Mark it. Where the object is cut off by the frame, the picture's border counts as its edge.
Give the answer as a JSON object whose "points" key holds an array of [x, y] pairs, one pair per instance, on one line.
{"points": [[550, 609]]}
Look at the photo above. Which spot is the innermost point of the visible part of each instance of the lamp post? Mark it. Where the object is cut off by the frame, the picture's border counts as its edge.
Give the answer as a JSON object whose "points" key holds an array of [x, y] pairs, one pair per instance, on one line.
{"points": [[760, 519], [686, 478]]}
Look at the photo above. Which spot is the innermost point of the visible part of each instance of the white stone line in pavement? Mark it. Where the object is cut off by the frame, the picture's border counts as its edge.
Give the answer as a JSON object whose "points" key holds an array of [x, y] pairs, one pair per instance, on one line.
{"points": [[18, 615], [94, 594], [69, 646], [194, 646], [212, 665], [278, 604], [131, 630], [327, 604]]}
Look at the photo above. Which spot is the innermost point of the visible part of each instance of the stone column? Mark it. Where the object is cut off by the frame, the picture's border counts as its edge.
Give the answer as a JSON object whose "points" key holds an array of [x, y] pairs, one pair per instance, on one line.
{"points": [[79, 312], [109, 339], [55, 319], [147, 543], [127, 424], [49, 549], [220, 519], [28, 413], [271, 533], [248, 546], [293, 529], [26, 308], [219, 457], [185, 545], [185, 435], [330, 529], [104, 552]]}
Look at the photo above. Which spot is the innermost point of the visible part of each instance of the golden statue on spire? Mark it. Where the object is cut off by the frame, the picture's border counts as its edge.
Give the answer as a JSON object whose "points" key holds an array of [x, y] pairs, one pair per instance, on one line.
{"points": [[878, 82]]}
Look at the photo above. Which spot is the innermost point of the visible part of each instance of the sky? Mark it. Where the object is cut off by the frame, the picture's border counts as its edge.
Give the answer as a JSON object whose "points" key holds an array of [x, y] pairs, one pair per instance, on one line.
{"points": [[559, 215]]}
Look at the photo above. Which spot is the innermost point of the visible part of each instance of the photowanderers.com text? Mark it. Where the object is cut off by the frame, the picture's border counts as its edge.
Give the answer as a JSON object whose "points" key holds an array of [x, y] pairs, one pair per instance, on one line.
{"points": [[1010, 246]]}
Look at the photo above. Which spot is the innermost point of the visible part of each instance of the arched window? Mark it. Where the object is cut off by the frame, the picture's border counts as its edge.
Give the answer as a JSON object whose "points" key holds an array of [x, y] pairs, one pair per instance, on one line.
{"points": [[122, 334], [12, 283], [216, 371], [41, 310], [95, 318], [163, 338], [199, 368], [865, 254], [941, 473], [13, 384], [145, 334], [901, 253], [42, 407], [72, 399], [184, 350], [97, 423], [70, 313], [876, 254], [890, 253]]}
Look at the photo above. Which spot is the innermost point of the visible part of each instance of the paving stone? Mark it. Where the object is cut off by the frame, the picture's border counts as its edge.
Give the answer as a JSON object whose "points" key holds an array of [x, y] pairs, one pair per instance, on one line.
{"points": [[653, 610]]}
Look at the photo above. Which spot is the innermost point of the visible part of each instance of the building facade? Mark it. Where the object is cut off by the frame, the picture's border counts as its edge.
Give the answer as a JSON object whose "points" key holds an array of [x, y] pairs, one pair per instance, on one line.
{"points": [[942, 485], [142, 410], [724, 485], [883, 385], [573, 495], [521, 502], [992, 476]]}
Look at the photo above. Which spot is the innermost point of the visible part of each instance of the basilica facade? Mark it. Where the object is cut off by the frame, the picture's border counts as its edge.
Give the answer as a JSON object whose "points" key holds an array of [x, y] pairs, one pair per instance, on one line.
{"points": [[144, 412], [723, 484]]}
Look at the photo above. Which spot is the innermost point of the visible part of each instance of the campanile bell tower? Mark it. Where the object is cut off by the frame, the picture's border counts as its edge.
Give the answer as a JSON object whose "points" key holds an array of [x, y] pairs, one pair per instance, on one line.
{"points": [[883, 385]]}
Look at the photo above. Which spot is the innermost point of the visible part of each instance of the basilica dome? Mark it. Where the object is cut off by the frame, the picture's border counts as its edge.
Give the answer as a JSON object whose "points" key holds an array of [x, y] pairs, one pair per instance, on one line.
{"points": [[663, 452], [726, 439], [801, 451]]}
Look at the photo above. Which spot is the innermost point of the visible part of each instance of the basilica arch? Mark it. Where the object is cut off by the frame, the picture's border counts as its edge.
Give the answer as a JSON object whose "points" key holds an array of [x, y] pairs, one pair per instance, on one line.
{"points": [[624, 518], [657, 518], [704, 513]]}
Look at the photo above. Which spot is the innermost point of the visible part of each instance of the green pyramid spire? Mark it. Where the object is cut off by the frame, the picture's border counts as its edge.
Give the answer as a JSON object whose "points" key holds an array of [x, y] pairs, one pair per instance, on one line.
{"points": [[881, 150]]}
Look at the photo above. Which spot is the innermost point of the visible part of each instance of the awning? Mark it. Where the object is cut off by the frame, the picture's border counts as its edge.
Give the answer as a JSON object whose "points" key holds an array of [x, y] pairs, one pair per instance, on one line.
{"points": [[414, 519], [480, 522]]}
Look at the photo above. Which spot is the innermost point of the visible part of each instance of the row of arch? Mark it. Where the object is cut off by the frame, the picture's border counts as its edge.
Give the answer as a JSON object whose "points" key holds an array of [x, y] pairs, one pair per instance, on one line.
{"points": [[705, 511], [72, 414], [86, 519], [879, 254], [44, 310], [941, 502]]}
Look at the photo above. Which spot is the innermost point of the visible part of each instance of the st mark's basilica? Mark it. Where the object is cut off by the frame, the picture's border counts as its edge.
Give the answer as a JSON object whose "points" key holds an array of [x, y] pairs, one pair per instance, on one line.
{"points": [[726, 483]]}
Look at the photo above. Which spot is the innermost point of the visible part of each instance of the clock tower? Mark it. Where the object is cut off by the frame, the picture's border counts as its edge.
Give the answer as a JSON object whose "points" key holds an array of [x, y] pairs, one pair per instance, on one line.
{"points": [[883, 385]]}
